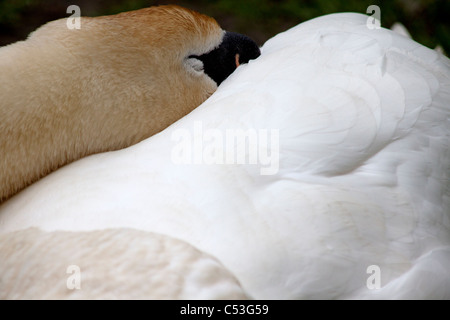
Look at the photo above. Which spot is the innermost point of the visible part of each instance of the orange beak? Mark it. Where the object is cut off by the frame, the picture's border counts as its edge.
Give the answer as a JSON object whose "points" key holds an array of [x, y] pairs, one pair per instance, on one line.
{"points": [[237, 60]]}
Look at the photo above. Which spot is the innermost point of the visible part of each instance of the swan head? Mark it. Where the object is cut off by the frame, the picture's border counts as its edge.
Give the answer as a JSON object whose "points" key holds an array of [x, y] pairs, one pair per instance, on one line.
{"points": [[234, 50], [113, 82]]}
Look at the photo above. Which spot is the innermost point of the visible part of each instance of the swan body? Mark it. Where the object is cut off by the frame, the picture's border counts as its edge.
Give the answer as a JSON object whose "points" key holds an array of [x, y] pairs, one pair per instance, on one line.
{"points": [[362, 175]]}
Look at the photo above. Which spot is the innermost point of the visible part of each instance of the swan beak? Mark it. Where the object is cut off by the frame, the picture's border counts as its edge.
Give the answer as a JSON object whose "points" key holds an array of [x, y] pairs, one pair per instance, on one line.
{"points": [[234, 50]]}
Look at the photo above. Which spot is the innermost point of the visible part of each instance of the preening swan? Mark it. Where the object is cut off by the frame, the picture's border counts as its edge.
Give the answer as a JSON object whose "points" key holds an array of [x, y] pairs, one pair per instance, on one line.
{"points": [[353, 124], [119, 79]]}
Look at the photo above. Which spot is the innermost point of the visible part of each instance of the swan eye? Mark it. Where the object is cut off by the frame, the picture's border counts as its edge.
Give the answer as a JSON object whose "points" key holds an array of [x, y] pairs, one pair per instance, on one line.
{"points": [[194, 63]]}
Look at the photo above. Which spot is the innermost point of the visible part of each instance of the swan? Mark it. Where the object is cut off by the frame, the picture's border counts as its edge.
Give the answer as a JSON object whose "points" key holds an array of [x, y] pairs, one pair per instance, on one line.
{"points": [[347, 196], [114, 82]]}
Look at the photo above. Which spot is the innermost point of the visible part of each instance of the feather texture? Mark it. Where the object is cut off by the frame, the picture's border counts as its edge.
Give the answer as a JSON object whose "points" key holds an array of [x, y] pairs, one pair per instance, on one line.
{"points": [[362, 179]]}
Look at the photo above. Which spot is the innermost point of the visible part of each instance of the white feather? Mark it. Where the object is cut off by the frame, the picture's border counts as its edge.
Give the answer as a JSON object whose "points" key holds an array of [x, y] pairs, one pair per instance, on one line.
{"points": [[363, 179]]}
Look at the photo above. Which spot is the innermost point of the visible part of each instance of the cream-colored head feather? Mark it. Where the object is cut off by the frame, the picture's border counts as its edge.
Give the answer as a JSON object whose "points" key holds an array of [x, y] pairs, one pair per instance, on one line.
{"points": [[119, 79]]}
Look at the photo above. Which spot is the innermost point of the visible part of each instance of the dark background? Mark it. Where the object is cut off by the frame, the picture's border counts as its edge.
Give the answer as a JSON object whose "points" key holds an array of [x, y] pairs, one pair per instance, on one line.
{"points": [[428, 21]]}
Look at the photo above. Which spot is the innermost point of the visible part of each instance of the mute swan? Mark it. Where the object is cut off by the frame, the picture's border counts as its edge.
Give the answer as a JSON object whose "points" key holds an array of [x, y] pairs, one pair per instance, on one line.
{"points": [[354, 202], [116, 81]]}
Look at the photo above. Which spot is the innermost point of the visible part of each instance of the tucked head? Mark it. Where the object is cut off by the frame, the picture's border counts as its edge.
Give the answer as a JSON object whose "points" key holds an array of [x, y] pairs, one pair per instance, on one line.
{"points": [[119, 79], [234, 50], [172, 36], [158, 62]]}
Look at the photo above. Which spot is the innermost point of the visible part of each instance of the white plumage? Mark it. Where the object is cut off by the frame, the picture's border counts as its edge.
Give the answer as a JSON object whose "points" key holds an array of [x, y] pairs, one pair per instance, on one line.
{"points": [[109, 264], [364, 171]]}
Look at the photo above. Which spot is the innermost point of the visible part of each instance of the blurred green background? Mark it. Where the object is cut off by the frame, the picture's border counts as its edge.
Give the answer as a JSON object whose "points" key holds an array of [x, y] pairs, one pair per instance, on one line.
{"points": [[427, 21]]}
